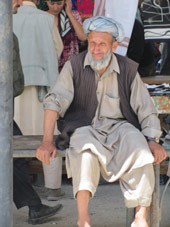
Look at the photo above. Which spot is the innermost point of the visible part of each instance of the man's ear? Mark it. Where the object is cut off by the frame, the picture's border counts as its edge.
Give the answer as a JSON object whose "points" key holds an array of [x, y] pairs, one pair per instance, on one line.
{"points": [[114, 46]]}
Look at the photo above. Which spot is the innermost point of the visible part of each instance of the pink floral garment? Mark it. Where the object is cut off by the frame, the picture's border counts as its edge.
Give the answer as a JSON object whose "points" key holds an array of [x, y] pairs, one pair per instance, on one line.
{"points": [[85, 8]]}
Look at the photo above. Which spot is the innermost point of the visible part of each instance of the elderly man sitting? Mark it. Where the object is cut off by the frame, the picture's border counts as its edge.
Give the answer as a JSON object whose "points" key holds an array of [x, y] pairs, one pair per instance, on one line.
{"points": [[101, 103]]}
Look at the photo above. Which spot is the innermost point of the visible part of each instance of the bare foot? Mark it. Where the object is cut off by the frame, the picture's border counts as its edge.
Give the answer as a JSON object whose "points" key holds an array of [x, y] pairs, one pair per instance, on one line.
{"points": [[139, 223], [140, 217], [83, 224]]}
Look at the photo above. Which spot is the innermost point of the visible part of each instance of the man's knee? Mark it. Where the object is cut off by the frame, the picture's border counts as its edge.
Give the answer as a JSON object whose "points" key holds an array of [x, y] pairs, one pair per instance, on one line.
{"points": [[90, 160], [87, 177], [87, 155], [138, 185]]}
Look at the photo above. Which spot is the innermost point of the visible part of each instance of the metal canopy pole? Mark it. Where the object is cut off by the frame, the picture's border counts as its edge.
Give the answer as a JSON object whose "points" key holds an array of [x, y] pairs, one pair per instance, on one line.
{"points": [[6, 113]]}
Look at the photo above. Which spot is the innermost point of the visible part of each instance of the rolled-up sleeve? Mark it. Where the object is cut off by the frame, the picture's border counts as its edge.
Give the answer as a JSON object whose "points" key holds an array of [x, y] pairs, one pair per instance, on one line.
{"points": [[143, 106], [61, 95]]}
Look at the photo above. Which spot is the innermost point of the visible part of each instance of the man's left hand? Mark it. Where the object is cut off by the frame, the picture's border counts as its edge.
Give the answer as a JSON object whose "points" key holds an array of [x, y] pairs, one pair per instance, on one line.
{"points": [[158, 152]]}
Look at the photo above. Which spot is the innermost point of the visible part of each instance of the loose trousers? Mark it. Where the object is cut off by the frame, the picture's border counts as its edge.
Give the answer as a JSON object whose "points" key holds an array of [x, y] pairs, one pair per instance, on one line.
{"points": [[137, 185]]}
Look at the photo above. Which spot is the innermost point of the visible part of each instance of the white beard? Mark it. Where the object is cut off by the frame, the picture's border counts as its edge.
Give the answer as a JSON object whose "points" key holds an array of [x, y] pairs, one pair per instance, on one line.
{"points": [[99, 64]]}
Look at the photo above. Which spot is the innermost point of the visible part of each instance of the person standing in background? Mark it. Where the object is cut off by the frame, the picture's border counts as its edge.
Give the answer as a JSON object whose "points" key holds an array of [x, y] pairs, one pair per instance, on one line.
{"points": [[70, 28], [23, 192], [123, 11], [40, 47]]}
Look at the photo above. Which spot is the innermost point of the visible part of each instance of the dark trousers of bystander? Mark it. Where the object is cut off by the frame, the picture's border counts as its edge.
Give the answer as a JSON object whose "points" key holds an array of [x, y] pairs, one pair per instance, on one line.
{"points": [[23, 192]]}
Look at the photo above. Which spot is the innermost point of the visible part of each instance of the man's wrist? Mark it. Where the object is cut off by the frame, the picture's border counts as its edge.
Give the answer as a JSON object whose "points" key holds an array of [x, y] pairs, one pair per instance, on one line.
{"points": [[45, 140], [154, 139]]}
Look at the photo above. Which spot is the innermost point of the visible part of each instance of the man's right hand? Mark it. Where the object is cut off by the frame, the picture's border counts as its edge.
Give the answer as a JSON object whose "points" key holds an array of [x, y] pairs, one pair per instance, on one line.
{"points": [[44, 152]]}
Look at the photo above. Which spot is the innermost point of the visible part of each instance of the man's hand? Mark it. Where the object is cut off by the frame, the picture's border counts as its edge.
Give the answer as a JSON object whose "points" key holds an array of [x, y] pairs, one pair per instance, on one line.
{"points": [[158, 152], [44, 151]]}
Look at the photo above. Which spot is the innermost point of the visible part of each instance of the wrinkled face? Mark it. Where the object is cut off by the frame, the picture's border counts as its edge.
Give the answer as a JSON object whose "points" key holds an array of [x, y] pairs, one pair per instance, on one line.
{"points": [[100, 46], [55, 7], [99, 43], [16, 4]]}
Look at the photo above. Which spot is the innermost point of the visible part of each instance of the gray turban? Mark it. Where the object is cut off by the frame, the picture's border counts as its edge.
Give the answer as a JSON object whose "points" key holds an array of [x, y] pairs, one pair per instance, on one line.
{"points": [[104, 24]]}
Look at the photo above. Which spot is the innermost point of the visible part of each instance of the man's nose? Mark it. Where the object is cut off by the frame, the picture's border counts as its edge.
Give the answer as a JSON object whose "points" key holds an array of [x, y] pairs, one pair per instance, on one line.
{"points": [[96, 47]]}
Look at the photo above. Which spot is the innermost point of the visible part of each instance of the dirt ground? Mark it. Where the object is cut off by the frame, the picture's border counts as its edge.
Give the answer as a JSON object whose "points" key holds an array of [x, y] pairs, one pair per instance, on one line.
{"points": [[106, 209]]}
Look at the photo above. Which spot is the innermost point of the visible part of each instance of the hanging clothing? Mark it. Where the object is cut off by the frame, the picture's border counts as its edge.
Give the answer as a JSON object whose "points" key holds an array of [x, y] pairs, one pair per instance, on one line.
{"points": [[74, 4], [85, 8], [122, 11], [156, 19]]}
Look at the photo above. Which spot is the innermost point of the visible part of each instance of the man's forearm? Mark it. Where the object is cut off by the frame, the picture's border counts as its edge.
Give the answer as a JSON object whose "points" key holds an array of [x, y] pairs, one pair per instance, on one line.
{"points": [[50, 118]]}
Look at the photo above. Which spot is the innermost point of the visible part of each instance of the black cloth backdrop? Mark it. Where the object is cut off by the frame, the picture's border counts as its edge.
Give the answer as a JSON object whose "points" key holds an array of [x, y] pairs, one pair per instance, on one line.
{"points": [[156, 19]]}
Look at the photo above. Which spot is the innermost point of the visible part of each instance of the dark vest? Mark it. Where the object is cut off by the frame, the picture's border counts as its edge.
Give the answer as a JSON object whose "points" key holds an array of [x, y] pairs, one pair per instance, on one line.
{"points": [[83, 107]]}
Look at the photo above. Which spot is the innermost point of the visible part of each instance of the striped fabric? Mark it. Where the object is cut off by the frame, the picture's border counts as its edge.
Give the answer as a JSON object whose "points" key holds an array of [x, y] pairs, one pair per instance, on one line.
{"points": [[65, 27], [156, 18]]}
